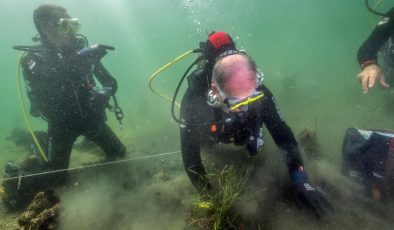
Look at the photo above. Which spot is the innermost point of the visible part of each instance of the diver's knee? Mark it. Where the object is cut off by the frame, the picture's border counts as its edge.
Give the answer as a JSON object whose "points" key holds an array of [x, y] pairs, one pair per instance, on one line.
{"points": [[120, 153]]}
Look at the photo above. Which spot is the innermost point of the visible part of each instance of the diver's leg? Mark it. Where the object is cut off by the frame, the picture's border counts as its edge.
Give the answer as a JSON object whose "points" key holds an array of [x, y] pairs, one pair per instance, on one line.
{"points": [[60, 141], [103, 136]]}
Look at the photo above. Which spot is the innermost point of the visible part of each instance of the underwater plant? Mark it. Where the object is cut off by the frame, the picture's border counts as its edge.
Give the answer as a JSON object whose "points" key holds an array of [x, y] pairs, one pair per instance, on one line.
{"points": [[215, 209]]}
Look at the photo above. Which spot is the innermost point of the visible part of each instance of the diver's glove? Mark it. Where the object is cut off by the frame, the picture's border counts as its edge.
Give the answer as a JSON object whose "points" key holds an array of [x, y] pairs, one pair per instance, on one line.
{"points": [[307, 196], [105, 91], [94, 53], [99, 98]]}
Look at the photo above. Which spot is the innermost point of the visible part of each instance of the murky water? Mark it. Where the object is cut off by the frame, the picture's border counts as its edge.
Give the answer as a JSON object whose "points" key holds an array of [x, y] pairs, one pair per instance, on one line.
{"points": [[306, 50]]}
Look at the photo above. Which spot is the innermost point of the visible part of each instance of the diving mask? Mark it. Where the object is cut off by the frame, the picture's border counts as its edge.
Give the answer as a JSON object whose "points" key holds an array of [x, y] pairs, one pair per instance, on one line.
{"points": [[235, 105], [69, 25]]}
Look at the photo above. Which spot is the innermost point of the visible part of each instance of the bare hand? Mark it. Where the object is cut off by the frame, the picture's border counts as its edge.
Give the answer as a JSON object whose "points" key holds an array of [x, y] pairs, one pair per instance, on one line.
{"points": [[369, 75]]}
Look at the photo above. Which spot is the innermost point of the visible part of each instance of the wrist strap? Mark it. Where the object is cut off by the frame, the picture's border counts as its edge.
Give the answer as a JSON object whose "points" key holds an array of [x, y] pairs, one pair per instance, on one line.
{"points": [[298, 177], [368, 63]]}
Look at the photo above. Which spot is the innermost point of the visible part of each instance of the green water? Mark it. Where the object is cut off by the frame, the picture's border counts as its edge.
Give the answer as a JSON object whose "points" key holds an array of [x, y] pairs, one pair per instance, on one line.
{"points": [[306, 49]]}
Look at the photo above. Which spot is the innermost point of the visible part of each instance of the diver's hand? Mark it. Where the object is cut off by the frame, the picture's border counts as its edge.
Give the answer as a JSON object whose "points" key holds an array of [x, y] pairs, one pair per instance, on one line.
{"points": [[369, 75], [95, 52], [307, 196]]}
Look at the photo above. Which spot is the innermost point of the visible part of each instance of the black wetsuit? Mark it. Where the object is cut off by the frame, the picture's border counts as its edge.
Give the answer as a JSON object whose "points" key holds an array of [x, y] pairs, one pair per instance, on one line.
{"points": [[199, 118], [61, 88], [384, 31]]}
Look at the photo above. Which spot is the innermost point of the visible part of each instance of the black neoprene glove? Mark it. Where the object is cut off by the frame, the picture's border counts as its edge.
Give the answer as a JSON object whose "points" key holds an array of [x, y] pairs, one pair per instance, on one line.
{"points": [[95, 52], [307, 196]]}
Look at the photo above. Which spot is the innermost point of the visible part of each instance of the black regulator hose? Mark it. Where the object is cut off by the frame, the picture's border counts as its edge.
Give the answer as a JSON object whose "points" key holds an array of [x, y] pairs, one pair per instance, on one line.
{"points": [[179, 86], [84, 38], [36, 48], [372, 10]]}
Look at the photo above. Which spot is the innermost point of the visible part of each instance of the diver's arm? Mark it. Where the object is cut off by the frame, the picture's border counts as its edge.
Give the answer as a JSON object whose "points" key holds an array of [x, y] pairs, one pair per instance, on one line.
{"points": [[368, 52], [305, 194], [281, 132], [192, 159], [190, 143], [104, 77]]}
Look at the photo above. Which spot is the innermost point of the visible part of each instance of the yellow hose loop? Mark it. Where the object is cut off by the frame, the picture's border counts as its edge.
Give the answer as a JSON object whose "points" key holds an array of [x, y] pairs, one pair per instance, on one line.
{"points": [[166, 66], [22, 106]]}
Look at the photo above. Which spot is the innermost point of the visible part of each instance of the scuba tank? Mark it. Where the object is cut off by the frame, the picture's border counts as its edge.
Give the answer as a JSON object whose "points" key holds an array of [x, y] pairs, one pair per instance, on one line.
{"points": [[217, 44]]}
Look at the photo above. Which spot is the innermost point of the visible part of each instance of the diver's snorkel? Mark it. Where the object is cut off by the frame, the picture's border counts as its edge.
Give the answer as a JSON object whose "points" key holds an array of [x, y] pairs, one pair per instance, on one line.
{"points": [[369, 8]]}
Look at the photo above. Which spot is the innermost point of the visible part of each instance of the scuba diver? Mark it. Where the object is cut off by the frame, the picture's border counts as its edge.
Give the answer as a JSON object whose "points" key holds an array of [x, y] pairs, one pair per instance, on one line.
{"points": [[381, 39], [59, 78], [226, 102]]}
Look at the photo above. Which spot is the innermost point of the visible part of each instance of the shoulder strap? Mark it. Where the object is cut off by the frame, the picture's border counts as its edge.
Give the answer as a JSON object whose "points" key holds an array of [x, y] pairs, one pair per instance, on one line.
{"points": [[199, 81]]}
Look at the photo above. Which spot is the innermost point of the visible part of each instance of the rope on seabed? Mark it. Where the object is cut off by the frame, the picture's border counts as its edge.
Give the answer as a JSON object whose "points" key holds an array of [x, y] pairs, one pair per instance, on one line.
{"points": [[88, 166]]}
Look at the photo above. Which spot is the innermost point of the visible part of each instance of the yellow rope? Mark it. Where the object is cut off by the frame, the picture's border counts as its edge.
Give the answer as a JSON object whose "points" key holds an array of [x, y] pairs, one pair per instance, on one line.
{"points": [[19, 177]]}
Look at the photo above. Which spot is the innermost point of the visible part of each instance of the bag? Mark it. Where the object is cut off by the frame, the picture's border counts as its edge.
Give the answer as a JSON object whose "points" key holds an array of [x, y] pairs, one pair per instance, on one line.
{"points": [[368, 158]]}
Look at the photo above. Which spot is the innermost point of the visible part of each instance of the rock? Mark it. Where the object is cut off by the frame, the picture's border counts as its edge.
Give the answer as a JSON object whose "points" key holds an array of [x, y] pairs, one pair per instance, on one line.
{"points": [[41, 213]]}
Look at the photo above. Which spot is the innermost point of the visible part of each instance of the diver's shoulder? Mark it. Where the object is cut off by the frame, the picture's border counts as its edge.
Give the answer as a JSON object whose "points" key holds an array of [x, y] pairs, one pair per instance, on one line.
{"points": [[198, 81], [36, 53], [34, 57], [264, 89], [388, 19], [197, 72], [390, 13]]}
